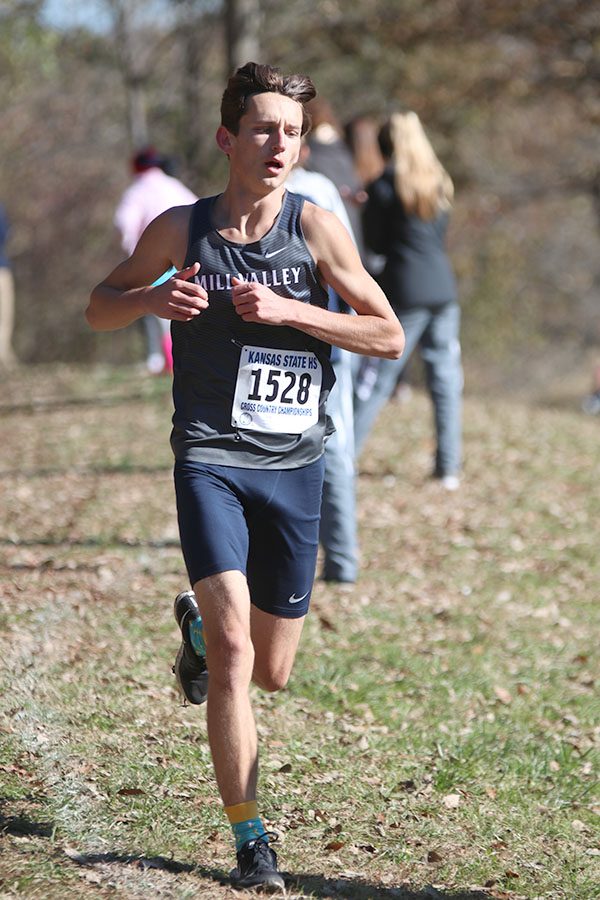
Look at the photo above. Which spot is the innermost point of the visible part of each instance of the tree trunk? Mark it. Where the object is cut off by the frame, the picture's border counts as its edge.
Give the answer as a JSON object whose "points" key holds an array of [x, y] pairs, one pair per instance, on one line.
{"points": [[242, 27], [194, 135], [133, 78]]}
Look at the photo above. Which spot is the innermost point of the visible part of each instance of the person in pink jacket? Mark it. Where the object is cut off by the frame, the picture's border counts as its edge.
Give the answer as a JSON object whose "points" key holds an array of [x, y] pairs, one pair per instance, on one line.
{"points": [[150, 193]]}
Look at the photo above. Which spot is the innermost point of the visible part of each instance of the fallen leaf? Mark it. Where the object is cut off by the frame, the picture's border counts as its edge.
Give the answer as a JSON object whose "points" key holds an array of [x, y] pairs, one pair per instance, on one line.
{"points": [[334, 845], [326, 624], [503, 695], [130, 792], [451, 801], [408, 785]]}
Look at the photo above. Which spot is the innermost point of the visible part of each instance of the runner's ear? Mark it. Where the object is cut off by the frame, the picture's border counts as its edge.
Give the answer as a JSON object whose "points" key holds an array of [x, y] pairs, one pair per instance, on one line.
{"points": [[224, 140]]}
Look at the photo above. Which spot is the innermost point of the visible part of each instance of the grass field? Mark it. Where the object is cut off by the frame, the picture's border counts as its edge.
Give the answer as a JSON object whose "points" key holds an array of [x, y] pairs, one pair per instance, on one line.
{"points": [[439, 736]]}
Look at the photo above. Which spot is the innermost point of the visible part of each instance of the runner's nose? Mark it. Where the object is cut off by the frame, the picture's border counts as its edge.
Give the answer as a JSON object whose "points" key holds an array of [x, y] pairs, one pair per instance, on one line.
{"points": [[279, 139]]}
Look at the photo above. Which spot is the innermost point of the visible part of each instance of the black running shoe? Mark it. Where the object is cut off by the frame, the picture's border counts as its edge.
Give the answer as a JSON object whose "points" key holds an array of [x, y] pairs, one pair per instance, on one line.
{"points": [[190, 669], [257, 867]]}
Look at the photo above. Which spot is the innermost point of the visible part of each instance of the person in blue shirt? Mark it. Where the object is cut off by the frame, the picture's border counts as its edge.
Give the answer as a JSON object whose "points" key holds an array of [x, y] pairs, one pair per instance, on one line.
{"points": [[338, 531]]}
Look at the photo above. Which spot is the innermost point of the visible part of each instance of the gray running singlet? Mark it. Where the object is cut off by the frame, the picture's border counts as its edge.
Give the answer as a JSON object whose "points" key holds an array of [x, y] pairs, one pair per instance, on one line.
{"points": [[246, 394]]}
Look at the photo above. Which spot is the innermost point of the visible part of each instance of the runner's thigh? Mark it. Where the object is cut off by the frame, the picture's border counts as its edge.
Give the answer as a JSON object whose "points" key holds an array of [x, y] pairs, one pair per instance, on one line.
{"points": [[212, 524], [284, 539]]}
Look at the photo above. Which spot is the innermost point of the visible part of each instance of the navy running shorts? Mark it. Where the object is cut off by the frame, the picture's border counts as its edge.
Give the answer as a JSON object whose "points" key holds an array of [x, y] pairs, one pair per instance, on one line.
{"points": [[263, 523]]}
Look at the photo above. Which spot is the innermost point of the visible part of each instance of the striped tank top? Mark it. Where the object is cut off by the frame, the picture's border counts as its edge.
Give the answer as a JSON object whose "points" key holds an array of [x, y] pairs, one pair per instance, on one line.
{"points": [[246, 394]]}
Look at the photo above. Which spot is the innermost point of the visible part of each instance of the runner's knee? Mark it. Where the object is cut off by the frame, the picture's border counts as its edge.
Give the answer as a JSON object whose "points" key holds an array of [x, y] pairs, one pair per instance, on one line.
{"points": [[230, 658], [270, 676]]}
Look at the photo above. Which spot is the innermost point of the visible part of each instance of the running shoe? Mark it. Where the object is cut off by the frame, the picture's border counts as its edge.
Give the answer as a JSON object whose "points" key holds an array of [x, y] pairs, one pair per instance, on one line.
{"points": [[450, 482], [257, 867], [190, 668]]}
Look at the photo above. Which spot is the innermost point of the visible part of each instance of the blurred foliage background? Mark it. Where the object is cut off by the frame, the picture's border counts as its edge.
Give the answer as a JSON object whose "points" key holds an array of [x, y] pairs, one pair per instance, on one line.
{"points": [[507, 89]]}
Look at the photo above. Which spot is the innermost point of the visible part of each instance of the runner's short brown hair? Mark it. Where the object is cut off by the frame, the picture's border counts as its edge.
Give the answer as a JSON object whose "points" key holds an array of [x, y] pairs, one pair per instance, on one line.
{"points": [[254, 78]]}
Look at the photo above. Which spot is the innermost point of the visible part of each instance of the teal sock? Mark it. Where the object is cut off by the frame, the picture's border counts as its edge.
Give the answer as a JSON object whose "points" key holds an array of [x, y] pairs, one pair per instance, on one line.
{"points": [[247, 831], [197, 636]]}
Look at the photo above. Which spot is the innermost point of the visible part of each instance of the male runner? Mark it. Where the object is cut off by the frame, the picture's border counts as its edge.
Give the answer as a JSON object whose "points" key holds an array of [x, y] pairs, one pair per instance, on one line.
{"points": [[251, 340]]}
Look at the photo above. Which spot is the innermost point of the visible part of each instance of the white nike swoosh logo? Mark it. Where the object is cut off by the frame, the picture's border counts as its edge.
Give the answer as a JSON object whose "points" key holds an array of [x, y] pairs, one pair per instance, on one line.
{"points": [[294, 599], [274, 253]]}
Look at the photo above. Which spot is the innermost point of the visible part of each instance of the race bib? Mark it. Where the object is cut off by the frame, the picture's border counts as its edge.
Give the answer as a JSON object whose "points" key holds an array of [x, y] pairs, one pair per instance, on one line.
{"points": [[277, 390]]}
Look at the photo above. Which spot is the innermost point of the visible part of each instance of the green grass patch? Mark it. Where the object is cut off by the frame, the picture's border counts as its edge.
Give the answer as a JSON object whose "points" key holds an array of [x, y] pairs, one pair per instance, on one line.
{"points": [[439, 736]]}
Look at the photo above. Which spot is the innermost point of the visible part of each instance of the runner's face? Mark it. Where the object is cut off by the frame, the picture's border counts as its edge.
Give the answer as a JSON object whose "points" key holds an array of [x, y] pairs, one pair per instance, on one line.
{"points": [[267, 145]]}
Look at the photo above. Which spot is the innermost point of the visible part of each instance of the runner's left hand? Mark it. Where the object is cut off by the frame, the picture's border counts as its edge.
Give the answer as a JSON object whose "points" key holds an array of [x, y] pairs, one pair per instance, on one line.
{"points": [[257, 303]]}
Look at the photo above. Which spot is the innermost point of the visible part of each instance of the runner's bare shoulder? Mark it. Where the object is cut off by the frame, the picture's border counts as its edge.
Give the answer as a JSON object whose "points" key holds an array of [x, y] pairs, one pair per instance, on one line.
{"points": [[322, 229], [171, 230]]}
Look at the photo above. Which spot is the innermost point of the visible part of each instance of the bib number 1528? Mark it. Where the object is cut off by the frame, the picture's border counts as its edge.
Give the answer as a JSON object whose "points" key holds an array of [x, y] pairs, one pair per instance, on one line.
{"points": [[279, 387], [277, 391]]}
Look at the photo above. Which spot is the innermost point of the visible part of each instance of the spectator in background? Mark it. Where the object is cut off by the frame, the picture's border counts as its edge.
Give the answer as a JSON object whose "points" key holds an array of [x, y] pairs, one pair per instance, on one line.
{"points": [[7, 298], [361, 134], [330, 156], [150, 194], [337, 532], [591, 403], [405, 219], [362, 138]]}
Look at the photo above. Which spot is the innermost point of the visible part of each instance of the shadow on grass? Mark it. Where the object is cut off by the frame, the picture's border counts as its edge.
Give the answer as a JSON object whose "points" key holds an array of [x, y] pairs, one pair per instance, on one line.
{"points": [[145, 863], [311, 885], [127, 543], [21, 826], [357, 889], [316, 886], [166, 864]]}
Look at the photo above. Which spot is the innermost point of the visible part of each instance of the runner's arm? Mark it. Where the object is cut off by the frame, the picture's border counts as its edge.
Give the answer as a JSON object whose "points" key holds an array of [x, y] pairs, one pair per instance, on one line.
{"points": [[127, 293], [374, 331]]}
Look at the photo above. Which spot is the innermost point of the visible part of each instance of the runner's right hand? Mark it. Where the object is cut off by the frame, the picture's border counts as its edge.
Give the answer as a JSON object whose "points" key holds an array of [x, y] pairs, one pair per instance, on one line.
{"points": [[178, 298]]}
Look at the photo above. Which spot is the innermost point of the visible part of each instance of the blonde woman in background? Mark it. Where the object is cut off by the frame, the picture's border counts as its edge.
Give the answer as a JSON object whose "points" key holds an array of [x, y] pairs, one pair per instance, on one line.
{"points": [[405, 220]]}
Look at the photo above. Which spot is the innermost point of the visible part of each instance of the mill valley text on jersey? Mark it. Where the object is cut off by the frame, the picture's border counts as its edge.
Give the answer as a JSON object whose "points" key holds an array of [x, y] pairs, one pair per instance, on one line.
{"points": [[270, 278]]}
